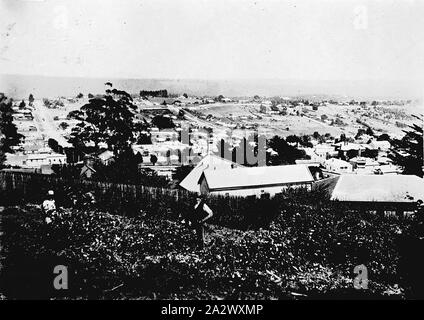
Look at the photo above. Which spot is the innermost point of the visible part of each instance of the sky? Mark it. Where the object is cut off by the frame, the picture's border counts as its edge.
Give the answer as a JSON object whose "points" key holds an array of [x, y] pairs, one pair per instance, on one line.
{"points": [[198, 39]]}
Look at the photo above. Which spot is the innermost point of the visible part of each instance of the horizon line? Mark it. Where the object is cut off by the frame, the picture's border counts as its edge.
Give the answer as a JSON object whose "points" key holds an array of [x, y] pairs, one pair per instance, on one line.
{"points": [[212, 79]]}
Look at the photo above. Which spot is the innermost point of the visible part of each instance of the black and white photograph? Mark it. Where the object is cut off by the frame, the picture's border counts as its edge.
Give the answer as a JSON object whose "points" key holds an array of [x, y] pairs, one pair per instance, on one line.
{"points": [[232, 153]]}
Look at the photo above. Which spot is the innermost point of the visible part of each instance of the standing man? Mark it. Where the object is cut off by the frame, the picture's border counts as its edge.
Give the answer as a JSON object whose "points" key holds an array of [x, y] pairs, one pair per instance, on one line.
{"points": [[49, 207], [201, 214]]}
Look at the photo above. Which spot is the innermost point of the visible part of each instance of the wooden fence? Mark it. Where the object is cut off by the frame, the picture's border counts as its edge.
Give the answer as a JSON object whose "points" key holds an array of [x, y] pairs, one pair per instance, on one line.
{"points": [[133, 200]]}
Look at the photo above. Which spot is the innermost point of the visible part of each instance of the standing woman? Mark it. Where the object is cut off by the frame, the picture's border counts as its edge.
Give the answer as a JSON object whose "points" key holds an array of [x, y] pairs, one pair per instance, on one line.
{"points": [[201, 214]]}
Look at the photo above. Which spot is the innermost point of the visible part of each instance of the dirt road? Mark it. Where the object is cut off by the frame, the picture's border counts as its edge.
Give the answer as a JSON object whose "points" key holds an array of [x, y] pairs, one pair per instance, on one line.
{"points": [[46, 125]]}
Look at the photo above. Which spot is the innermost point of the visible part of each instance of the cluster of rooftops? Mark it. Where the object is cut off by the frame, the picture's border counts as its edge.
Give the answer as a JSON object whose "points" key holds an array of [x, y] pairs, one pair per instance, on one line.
{"points": [[215, 175]]}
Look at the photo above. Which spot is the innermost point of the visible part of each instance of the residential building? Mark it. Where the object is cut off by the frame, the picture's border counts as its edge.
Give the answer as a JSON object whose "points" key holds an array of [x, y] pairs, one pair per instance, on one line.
{"points": [[209, 162], [338, 166], [106, 157], [379, 192], [39, 159], [254, 181]]}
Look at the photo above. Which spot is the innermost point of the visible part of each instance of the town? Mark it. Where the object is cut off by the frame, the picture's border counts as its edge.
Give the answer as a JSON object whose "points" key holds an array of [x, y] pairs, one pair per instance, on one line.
{"points": [[331, 137]]}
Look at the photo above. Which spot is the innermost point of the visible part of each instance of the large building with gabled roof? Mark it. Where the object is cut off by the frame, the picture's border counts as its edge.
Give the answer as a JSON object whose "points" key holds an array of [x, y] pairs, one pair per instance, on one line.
{"points": [[255, 181], [209, 162]]}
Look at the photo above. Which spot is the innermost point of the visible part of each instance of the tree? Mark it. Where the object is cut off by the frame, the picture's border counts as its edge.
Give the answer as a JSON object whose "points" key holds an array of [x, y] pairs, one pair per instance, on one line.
{"points": [[22, 105], [55, 146], [9, 135], [2, 158], [168, 156], [383, 137], [370, 153], [90, 96], [80, 95], [305, 141], [154, 93], [153, 159], [293, 139], [163, 122], [47, 102], [31, 99], [149, 177], [185, 95], [108, 119], [408, 151], [339, 122], [352, 153], [63, 125], [369, 131], [138, 158], [286, 153], [144, 138], [360, 133]]}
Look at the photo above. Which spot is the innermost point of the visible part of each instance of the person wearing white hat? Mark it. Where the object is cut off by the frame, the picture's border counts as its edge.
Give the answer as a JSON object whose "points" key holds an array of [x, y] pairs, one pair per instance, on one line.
{"points": [[49, 206]]}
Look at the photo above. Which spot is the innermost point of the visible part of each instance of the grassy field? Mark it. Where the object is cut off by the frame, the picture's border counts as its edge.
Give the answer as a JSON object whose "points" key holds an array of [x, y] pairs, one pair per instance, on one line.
{"points": [[311, 121]]}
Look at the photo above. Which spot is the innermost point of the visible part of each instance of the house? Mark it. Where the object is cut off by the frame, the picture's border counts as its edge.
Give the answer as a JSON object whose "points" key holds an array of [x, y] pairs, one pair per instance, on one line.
{"points": [[163, 135], [209, 162], [15, 159], [379, 192], [384, 160], [387, 169], [364, 164], [346, 146], [39, 159], [106, 157], [254, 181], [46, 169], [381, 145], [338, 166], [32, 148], [323, 152], [268, 109], [308, 162]]}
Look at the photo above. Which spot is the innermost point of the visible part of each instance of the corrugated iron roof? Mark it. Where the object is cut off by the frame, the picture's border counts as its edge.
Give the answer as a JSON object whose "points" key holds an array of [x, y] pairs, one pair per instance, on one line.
{"points": [[379, 188], [211, 162], [258, 176]]}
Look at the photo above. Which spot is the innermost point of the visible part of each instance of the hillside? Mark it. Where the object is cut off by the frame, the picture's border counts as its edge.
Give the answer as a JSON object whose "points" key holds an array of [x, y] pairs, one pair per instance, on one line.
{"points": [[301, 255]]}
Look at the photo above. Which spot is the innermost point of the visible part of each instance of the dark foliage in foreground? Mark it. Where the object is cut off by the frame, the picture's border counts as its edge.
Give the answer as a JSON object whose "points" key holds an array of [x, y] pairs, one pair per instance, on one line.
{"points": [[307, 251]]}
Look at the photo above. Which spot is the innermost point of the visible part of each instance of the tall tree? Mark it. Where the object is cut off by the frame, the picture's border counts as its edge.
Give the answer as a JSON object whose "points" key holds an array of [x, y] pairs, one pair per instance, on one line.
{"points": [[108, 119], [22, 105], [287, 154], [408, 151], [8, 130], [153, 159], [9, 135]]}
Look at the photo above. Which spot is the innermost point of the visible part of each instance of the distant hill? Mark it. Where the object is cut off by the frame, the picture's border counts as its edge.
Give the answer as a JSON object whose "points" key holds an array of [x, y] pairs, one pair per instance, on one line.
{"points": [[20, 86]]}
